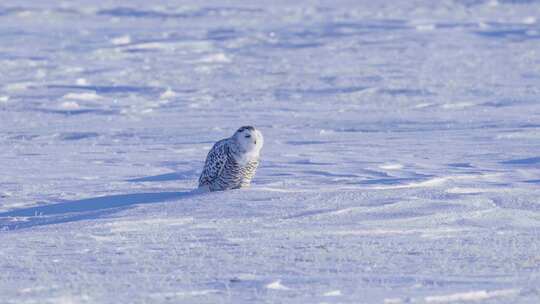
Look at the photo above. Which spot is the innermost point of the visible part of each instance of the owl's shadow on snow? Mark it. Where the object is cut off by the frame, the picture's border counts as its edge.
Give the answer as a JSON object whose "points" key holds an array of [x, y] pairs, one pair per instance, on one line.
{"points": [[92, 208], [85, 209], [89, 208]]}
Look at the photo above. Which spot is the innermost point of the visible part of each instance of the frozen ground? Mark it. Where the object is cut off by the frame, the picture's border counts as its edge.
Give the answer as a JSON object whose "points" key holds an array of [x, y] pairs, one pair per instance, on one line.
{"points": [[401, 162]]}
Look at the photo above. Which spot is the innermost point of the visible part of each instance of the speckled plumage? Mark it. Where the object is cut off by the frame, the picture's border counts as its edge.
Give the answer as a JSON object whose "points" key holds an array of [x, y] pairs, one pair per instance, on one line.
{"points": [[232, 163]]}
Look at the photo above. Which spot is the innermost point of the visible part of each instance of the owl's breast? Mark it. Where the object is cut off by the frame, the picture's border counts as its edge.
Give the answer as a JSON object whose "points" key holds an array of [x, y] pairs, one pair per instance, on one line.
{"points": [[235, 175]]}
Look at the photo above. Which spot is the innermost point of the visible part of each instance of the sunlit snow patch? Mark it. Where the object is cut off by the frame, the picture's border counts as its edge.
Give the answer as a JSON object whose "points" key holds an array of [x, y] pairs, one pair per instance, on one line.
{"points": [[423, 105], [529, 20], [277, 286], [520, 135], [81, 82], [183, 46], [471, 296], [167, 94], [121, 40], [69, 105], [333, 293], [86, 96], [215, 58], [18, 219], [423, 25], [391, 166], [457, 105], [18, 86], [439, 181], [469, 190], [35, 289]]}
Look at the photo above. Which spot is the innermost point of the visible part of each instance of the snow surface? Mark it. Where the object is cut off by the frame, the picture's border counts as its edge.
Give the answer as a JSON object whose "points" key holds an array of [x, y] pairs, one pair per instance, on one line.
{"points": [[401, 159]]}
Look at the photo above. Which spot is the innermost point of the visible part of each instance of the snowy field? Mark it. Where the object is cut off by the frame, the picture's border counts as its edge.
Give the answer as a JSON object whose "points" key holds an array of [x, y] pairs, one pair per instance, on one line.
{"points": [[401, 160]]}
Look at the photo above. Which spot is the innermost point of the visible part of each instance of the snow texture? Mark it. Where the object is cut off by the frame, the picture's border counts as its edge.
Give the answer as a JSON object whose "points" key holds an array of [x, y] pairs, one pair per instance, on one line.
{"points": [[401, 159]]}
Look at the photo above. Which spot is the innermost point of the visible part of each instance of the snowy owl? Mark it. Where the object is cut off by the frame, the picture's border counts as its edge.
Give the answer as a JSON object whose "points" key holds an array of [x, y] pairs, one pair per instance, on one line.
{"points": [[232, 162]]}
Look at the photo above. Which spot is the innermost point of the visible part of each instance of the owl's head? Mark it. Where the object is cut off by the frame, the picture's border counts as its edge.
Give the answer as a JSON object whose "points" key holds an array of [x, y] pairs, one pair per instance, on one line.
{"points": [[249, 139]]}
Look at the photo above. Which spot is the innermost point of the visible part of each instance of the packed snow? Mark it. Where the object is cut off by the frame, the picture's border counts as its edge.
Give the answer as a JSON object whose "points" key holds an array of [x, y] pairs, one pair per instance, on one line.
{"points": [[401, 160]]}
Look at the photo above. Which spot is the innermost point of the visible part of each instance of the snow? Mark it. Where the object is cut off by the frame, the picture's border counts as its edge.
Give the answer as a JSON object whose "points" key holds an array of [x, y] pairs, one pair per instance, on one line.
{"points": [[401, 159], [168, 94], [70, 105], [277, 286], [471, 296], [126, 39], [333, 293], [82, 96]]}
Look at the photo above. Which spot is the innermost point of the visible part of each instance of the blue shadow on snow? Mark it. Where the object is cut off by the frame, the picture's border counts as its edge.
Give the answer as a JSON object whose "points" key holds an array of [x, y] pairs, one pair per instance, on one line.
{"points": [[89, 208], [523, 161], [165, 177]]}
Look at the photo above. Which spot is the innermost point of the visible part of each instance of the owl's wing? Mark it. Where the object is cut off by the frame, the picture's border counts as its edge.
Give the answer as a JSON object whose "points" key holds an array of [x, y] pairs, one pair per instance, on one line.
{"points": [[215, 162]]}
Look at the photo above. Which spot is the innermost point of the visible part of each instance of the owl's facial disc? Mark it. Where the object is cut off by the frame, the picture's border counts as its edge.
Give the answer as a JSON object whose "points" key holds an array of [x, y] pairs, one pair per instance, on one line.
{"points": [[249, 139]]}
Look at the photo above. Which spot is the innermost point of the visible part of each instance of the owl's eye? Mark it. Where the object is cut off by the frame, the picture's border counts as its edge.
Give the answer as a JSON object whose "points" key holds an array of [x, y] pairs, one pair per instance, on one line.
{"points": [[247, 136]]}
